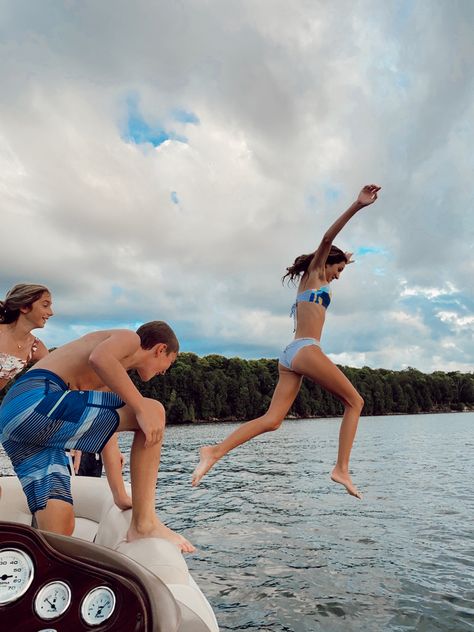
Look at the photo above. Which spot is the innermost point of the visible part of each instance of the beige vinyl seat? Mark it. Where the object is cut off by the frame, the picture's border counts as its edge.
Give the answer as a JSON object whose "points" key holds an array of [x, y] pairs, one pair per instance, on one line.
{"points": [[99, 520], [92, 502]]}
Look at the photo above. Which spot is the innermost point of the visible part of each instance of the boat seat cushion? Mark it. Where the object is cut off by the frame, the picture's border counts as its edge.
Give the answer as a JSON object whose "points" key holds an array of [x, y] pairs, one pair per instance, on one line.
{"points": [[13, 505], [92, 500], [160, 556]]}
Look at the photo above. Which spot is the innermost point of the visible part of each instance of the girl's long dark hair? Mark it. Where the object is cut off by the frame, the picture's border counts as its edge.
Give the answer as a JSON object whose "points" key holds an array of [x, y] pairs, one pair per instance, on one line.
{"points": [[301, 264]]}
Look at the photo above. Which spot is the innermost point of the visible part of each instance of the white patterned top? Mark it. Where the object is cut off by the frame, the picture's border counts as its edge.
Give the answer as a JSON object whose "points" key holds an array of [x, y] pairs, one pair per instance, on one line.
{"points": [[10, 365]]}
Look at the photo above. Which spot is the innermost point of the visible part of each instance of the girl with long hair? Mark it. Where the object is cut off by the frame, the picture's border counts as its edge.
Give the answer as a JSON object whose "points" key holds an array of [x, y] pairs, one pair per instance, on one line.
{"points": [[26, 306], [303, 357]]}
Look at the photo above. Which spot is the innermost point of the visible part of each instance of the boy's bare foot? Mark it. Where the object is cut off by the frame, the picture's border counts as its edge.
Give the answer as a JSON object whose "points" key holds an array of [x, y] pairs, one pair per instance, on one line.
{"points": [[207, 458], [343, 478], [159, 530], [123, 502]]}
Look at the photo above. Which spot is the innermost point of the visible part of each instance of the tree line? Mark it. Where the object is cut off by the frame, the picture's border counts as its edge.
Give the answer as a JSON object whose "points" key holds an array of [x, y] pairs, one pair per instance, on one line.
{"points": [[215, 388]]}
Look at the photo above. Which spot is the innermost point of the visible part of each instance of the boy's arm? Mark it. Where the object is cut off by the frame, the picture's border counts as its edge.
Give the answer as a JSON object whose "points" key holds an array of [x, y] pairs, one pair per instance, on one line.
{"points": [[112, 459], [106, 358]]}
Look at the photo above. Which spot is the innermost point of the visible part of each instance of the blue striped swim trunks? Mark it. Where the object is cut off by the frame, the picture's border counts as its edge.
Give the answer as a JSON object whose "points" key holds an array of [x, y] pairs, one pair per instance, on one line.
{"points": [[40, 418]]}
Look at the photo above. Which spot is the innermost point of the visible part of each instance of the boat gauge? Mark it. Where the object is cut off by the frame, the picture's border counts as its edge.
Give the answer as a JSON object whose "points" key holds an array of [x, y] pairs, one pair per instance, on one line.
{"points": [[16, 574], [52, 600], [98, 605]]}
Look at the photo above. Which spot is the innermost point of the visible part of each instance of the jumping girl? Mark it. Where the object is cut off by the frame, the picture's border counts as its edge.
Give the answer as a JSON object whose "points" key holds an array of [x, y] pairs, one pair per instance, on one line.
{"points": [[303, 357]]}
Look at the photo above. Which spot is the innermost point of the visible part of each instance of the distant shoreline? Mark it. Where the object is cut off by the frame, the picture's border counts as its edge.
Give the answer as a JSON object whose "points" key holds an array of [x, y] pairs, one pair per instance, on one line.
{"points": [[197, 422]]}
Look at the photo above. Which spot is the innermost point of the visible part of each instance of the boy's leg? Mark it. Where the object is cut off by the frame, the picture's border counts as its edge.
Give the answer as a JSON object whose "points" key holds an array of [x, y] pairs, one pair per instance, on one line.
{"points": [[112, 460], [57, 517], [46, 480], [144, 465]]}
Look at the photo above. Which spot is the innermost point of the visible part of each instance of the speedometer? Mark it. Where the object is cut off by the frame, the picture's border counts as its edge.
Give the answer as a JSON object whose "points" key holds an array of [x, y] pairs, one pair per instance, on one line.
{"points": [[16, 574]]}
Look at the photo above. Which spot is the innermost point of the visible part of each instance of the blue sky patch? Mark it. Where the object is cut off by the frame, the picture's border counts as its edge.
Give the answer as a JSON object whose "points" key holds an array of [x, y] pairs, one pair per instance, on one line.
{"points": [[174, 197], [139, 131], [183, 116], [369, 250], [332, 193]]}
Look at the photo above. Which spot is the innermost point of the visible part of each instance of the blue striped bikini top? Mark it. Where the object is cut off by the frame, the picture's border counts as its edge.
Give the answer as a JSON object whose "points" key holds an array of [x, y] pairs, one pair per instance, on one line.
{"points": [[319, 297]]}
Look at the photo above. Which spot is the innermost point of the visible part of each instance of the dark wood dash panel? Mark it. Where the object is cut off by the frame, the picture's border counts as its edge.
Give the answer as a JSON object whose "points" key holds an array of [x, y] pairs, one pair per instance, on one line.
{"points": [[82, 568]]}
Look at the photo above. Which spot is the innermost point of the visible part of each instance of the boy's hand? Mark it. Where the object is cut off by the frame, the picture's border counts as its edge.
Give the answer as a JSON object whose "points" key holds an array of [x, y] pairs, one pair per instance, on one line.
{"points": [[368, 194], [152, 427]]}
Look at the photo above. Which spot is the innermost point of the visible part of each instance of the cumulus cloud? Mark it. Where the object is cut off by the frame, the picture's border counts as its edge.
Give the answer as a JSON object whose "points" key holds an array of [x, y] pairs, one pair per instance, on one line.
{"points": [[171, 159]]}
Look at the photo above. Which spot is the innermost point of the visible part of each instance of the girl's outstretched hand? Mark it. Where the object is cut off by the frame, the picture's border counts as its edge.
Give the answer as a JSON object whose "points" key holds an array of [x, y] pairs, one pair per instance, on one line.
{"points": [[368, 195]]}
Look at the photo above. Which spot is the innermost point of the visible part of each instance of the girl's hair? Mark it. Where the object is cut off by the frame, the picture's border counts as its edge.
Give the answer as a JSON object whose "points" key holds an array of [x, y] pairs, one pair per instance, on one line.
{"points": [[301, 264], [21, 295], [155, 332]]}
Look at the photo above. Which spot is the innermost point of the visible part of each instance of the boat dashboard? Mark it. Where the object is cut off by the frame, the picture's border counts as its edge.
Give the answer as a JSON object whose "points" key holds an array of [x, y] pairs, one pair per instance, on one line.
{"points": [[51, 583]]}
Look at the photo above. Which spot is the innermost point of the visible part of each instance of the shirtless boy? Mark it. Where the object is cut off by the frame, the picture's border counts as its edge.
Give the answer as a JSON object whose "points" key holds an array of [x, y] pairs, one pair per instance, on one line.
{"points": [[76, 398]]}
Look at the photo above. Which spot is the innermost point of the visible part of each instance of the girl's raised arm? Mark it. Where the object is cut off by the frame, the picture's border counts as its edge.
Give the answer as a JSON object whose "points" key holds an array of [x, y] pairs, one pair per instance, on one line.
{"points": [[367, 196]]}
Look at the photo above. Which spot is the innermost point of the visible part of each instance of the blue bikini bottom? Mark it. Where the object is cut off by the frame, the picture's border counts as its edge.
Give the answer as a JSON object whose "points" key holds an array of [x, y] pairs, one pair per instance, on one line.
{"points": [[288, 354]]}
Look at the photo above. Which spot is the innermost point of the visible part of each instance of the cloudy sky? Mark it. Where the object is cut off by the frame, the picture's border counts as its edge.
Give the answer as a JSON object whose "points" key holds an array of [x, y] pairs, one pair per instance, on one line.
{"points": [[168, 160]]}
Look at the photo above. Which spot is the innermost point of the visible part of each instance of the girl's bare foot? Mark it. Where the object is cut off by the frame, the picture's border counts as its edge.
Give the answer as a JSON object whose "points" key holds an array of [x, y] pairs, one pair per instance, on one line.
{"points": [[157, 529], [343, 478], [208, 456]]}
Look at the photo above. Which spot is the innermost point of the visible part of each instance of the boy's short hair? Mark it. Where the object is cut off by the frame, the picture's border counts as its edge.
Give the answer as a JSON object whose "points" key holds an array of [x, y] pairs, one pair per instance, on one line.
{"points": [[157, 332]]}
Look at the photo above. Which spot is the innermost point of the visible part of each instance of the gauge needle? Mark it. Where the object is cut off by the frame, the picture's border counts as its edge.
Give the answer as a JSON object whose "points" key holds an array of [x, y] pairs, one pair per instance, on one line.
{"points": [[100, 608], [52, 604], [4, 577]]}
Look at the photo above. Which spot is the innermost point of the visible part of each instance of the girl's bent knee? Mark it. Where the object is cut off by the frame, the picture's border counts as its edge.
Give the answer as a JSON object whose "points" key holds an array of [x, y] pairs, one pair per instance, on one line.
{"points": [[272, 425], [356, 402]]}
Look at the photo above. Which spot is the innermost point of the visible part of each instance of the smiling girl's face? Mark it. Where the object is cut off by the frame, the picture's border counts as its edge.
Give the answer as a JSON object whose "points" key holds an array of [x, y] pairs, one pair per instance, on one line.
{"points": [[39, 311], [333, 271]]}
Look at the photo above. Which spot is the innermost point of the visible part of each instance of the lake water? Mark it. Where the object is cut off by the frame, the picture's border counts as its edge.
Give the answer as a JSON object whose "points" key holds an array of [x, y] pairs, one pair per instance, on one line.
{"points": [[282, 549]]}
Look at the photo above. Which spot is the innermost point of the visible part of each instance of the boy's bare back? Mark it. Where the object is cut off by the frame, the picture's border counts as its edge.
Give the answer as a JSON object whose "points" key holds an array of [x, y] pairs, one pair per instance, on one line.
{"points": [[74, 361]]}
